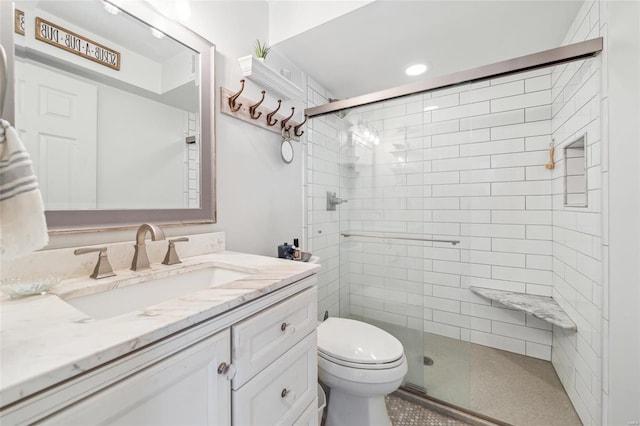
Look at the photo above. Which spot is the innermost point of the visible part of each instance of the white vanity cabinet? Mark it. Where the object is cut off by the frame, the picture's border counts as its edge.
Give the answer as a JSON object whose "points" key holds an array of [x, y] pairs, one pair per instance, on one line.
{"points": [[184, 389], [231, 369], [275, 354]]}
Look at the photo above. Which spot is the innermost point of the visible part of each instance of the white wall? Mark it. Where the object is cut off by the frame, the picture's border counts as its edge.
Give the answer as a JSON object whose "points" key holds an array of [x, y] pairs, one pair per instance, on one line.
{"points": [[578, 231], [259, 198], [596, 249], [622, 318]]}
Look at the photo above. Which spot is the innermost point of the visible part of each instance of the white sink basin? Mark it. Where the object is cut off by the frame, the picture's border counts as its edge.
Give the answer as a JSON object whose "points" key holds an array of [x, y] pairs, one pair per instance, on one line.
{"points": [[122, 300]]}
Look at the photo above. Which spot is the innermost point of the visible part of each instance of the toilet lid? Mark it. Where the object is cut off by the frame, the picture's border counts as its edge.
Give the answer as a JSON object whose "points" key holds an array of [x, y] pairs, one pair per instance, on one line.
{"points": [[357, 342]]}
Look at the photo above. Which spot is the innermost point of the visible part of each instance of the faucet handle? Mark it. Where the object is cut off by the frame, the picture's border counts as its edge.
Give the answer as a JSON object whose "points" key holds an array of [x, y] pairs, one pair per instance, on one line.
{"points": [[103, 268], [171, 258]]}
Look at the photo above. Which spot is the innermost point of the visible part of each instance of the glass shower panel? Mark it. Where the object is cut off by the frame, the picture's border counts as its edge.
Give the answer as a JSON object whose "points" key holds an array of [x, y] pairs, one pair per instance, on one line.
{"points": [[386, 156], [381, 170], [506, 207], [446, 344]]}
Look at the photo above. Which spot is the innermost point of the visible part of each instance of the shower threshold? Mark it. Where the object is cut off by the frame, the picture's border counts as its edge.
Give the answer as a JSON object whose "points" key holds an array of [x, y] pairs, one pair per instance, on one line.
{"points": [[443, 407]]}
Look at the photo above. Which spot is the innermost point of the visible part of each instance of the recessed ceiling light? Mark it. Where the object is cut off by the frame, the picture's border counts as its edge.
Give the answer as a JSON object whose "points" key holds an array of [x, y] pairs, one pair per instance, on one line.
{"points": [[416, 69], [110, 8], [430, 107]]}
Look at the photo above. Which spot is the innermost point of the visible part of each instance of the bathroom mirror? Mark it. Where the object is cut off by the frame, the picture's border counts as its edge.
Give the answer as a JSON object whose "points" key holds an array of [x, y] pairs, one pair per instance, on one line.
{"points": [[286, 151], [114, 102], [575, 173]]}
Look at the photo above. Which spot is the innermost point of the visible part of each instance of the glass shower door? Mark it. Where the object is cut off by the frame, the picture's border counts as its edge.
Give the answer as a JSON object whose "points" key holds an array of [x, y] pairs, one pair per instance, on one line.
{"points": [[382, 261]]}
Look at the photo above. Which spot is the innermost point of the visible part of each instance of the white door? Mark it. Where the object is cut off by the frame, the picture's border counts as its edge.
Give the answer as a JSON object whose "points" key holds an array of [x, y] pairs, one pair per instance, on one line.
{"points": [[56, 116], [184, 389]]}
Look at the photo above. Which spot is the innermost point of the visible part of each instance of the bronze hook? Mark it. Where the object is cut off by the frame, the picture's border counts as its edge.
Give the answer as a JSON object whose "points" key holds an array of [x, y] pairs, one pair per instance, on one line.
{"points": [[232, 99], [296, 128], [283, 123], [272, 113], [252, 108]]}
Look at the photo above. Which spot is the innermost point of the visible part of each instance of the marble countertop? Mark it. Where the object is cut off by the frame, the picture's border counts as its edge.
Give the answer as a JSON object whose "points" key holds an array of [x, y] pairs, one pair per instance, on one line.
{"points": [[44, 340], [541, 307]]}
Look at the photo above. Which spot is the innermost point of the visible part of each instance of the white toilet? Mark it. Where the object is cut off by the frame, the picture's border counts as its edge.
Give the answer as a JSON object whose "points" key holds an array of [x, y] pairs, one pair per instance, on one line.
{"points": [[360, 364]]}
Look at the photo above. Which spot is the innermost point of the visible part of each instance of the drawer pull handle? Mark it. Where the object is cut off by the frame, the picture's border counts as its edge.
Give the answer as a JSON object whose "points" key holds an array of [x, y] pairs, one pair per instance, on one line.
{"points": [[228, 370], [288, 327], [223, 368], [288, 395]]}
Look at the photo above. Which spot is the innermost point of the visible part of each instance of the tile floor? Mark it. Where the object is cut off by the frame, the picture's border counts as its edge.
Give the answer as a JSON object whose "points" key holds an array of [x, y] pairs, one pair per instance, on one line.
{"points": [[406, 413], [502, 385]]}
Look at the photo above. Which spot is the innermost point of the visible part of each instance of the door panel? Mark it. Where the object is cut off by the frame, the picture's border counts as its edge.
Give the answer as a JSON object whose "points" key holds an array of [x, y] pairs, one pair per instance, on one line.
{"points": [[57, 118]]}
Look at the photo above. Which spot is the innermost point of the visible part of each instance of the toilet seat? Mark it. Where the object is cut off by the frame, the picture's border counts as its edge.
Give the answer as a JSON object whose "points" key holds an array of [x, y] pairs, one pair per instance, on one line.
{"points": [[358, 345], [363, 366]]}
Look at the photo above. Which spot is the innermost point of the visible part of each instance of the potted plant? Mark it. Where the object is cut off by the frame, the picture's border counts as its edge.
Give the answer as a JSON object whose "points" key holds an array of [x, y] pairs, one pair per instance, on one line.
{"points": [[262, 50]]}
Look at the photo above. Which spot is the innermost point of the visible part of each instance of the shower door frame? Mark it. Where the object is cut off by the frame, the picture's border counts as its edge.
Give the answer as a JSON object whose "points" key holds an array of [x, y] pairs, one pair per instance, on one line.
{"points": [[569, 53]]}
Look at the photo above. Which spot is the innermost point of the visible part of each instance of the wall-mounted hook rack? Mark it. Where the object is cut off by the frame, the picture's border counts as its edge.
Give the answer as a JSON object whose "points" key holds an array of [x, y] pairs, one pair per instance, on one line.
{"points": [[252, 108], [233, 106], [296, 129], [250, 111], [283, 123], [271, 122]]}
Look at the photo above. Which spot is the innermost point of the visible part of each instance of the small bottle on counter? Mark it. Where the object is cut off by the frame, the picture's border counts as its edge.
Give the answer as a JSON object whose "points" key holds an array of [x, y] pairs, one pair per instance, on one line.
{"points": [[297, 253]]}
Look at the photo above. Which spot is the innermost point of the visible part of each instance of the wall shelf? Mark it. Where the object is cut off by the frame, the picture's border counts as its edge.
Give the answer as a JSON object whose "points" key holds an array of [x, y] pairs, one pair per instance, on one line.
{"points": [[258, 72], [541, 307]]}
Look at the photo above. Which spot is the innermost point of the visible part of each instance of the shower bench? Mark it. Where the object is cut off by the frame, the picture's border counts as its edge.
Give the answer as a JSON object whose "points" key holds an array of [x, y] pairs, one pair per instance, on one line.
{"points": [[542, 307]]}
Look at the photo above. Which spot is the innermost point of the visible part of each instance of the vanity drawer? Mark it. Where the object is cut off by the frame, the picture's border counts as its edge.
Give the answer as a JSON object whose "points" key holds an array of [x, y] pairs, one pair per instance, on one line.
{"points": [[281, 393], [262, 338]]}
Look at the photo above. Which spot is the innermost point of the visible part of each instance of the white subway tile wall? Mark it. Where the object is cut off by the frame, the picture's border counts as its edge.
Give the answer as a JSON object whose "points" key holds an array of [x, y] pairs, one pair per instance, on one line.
{"points": [[470, 170], [577, 266], [192, 163]]}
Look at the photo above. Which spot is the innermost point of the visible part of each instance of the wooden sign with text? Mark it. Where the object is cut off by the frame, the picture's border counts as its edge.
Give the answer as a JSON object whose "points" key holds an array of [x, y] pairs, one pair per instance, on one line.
{"points": [[67, 40], [19, 22]]}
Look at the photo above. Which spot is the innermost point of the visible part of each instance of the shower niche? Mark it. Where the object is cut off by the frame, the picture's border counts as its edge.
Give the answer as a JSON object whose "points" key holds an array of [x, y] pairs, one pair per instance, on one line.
{"points": [[575, 173]]}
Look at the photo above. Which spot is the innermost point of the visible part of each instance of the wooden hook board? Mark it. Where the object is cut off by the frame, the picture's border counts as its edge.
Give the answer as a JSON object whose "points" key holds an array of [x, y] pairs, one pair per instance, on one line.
{"points": [[243, 113]]}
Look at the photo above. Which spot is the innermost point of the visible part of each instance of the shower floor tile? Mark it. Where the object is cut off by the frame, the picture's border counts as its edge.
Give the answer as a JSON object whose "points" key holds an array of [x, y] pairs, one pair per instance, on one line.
{"points": [[407, 413], [505, 386]]}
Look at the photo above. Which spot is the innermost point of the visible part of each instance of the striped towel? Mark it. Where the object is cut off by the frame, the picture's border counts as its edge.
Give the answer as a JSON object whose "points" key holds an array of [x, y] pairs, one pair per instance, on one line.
{"points": [[23, 227]]}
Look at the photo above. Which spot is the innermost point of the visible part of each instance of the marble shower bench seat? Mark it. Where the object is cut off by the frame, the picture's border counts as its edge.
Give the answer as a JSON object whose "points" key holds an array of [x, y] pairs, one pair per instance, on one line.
{"points": [[541, 307]]}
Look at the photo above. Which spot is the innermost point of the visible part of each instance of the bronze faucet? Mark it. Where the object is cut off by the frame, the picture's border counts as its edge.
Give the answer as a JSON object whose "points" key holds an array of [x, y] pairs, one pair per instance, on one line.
{"points": [[140, 258]]}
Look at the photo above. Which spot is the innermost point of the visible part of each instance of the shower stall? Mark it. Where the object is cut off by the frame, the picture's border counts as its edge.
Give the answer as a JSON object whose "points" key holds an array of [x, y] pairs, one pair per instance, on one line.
{"points": [[419, 194]]}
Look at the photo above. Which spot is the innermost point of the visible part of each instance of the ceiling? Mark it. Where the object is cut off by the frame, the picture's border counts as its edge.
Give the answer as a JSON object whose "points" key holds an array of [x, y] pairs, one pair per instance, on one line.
{"points": [[369, 48]]}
